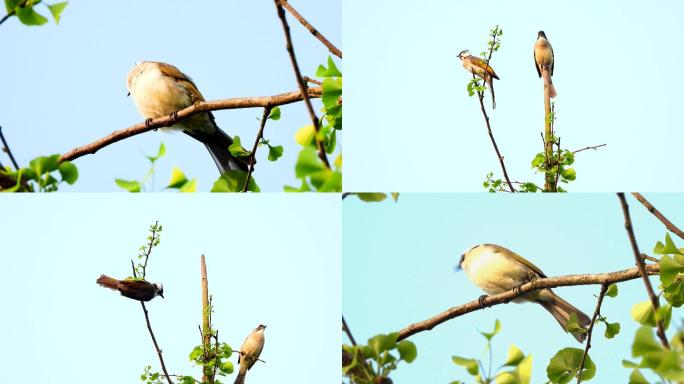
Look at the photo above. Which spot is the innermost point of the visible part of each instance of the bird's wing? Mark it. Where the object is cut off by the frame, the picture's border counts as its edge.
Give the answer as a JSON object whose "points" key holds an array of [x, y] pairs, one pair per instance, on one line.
{"points": [[482, 65], [519, 258], [175, 73], [553, 59], [536, 65], [256, 356]]}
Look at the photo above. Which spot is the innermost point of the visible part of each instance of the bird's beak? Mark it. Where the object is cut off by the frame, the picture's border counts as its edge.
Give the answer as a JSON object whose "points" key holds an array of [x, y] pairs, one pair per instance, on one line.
{"points": [[162, 295], [128, 94]]}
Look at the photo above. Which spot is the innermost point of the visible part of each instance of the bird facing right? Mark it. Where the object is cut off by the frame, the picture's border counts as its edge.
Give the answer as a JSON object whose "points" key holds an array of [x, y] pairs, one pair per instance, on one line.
{"points": [[250, 351]]}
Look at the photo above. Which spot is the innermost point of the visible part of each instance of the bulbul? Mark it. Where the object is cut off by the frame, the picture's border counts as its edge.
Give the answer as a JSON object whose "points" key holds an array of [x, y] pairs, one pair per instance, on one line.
{"points": [[160, 89], [479, 67], [543, 59], [496, 269], [250, 351], [133, 289]]}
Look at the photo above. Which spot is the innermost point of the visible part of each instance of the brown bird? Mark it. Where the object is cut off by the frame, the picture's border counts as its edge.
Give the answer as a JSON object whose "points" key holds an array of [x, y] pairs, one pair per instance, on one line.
{"points": [[133, 289], [544, 61], [250, 351], [479, 67]]}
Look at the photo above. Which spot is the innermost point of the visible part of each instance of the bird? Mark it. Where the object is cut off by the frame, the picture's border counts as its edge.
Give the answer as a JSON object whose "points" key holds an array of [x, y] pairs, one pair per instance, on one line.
{"points": [[140, 290], [160, 89], [496, 269], [544, 61], [479, 67], [250, 351]]}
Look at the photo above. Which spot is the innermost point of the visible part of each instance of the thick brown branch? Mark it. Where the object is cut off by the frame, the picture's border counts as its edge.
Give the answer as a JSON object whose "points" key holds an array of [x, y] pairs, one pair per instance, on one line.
{"points": [[505, 297], [668, 224], [252, 156], [300, 82], [642, 268], [333, 49], [236, 103], [597, 311], [207, 376]]}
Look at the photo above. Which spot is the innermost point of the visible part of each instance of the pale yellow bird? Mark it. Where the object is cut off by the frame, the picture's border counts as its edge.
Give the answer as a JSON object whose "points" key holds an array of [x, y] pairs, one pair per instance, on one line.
{"points": [[496, 269], [479, 67], [160, 89], [250, 351], [544, 61]]}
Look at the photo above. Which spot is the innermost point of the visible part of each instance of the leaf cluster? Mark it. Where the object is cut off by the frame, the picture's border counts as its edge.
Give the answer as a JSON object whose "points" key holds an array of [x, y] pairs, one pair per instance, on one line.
{"points": [[372, 363], [40, 175]]}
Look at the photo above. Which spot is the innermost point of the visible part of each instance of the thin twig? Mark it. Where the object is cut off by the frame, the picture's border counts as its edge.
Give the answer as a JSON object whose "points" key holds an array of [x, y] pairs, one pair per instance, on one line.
{"points": [[333, 49], [642, 268], [204, 106], [313, 81], [300, 82], [597, 311], [8, 150], [594, 147], [505, 297], [649, 258], [668, 224], [153, 238], [252, 156], [346, 329], [156, 346], [7, 16]]}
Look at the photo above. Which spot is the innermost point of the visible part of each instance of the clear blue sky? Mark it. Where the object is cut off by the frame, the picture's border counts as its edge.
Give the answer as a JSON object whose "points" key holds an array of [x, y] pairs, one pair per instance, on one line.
{"points": [[271, 259], [399, 264], [65, 85], [412, 127]]}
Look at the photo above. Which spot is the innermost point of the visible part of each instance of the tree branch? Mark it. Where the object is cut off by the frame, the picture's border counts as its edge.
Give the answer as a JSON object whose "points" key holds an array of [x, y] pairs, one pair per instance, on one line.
{"points": [[594, 147], [252, 156], [668, 224], [505, 297], [204, 106], [642, 268], [300, 82], [7, 16], [156, 346], [8, 150], [346, 329], [333, 49], [207, 376], [597, 311]]}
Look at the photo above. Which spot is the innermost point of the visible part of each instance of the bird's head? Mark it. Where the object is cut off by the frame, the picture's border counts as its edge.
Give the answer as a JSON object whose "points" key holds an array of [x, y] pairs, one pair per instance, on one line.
{"points": [[464, 53], [541, 34], [260, 327], [160, 289]]}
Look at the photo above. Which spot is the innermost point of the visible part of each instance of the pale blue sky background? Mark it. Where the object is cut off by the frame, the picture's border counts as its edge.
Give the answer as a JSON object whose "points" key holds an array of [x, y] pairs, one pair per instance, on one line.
{"points": [[65, 86], [271, 259], [399, 264], [412, 127]]}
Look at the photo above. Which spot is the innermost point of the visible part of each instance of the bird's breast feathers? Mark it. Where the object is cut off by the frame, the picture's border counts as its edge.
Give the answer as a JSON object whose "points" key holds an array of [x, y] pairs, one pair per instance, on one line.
{"points": [[156, 95], [494, 272]]}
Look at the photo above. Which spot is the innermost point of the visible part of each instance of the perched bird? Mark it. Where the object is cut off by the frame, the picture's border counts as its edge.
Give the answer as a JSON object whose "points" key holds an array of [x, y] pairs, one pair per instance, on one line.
{"points": [[479, 67], [250, 351], [543, 60], [133, 289], [160, 89], [496, 269]]}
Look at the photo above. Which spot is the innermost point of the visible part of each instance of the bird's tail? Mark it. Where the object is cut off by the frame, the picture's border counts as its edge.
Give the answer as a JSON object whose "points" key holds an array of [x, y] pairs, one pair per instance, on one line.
{"points": [[240, 379], [491, 89], [217, 143], [548, 82], [561, 311], [108, 282]]}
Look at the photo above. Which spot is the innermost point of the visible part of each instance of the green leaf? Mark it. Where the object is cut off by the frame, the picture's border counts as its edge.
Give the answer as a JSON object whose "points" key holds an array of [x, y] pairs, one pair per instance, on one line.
{"points": [[305, 135], [178, 178], [56, 10], [395, 196], [331, 142], [190, 186], [568, 174], [275, 152], [515, 356], [196, 353], [573, 324], [564, 366], [637, 378], [382, 343], [407, 351], [234, 181], [130, 186], [644, 342], [674, 293], [10, 5], [227, 367], [44, 164], [275, 114], [331, 71], [489, 335], [643, 313], [308, 163], [160, 153], [332, 91], [371, 197], [236, 148], [69, 172], [612, 329], [669, 248], [612, 290], [30, 17], [470, 364], [670, 269], [538, 160]]}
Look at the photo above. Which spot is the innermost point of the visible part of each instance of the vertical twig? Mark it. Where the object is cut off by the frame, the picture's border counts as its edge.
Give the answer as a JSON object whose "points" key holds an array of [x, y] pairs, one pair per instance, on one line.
{"points": [[346, 329], [668, 224], [252, 156], [206, 324], [642, 268], [8, 150], [548, 133], [333, 49], [597, 312], [301, 84]]}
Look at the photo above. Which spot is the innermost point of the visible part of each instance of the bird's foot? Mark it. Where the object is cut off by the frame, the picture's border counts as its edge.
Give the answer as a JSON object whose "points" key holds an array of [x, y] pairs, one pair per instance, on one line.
{"points": [[482, 299], [173, 116]]}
